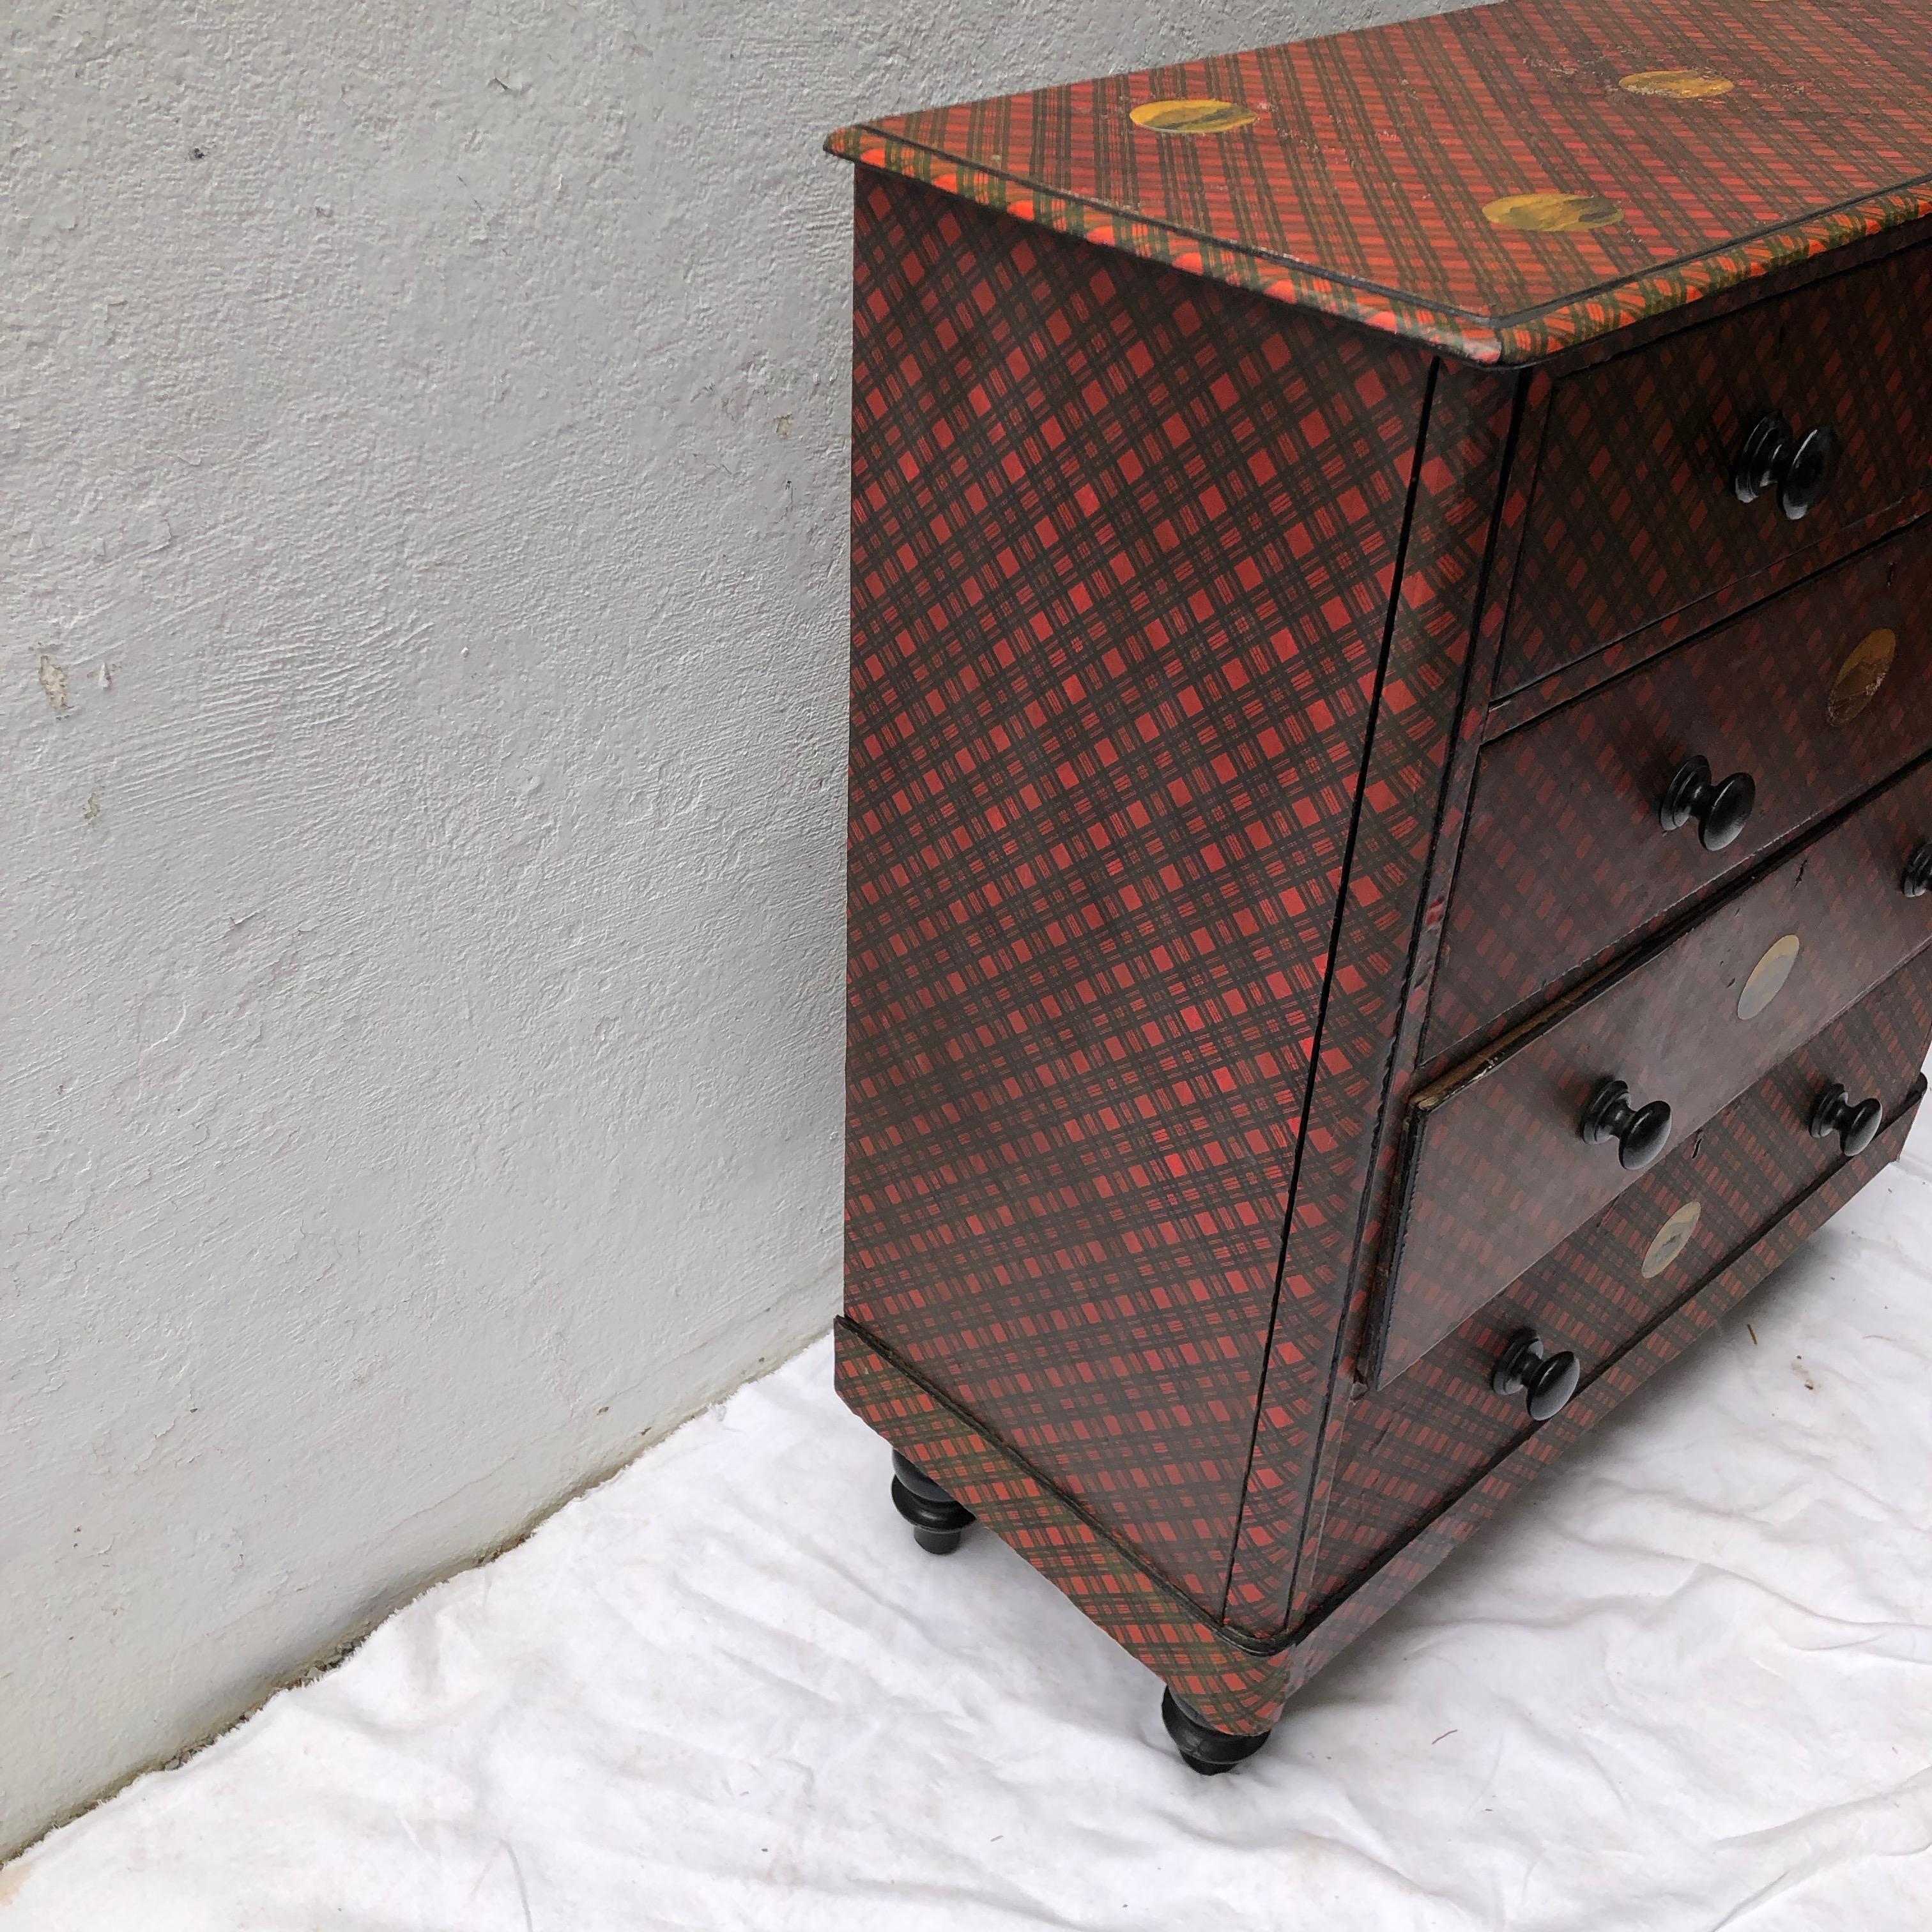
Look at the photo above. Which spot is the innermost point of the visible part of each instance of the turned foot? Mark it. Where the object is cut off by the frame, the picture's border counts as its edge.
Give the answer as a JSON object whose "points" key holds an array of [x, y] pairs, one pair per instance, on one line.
{"points": [[937, 1522], [1202, 1748]]}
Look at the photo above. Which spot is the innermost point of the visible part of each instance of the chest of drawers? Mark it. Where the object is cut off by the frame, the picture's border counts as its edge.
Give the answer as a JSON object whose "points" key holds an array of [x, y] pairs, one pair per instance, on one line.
{"points": [[1391, 777]]}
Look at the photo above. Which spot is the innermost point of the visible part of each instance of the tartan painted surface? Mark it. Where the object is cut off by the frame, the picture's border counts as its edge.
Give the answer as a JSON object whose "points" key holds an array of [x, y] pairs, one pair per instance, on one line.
{"points": [[1565, 863], [1233, 1688], [1213, 1670], [1496, 1171], [1174, 654], [1379, 1195], [1123, 549], [1412, 1563], [1633, 520], [1426, 1442], [1358, 183], [1378, 956]]}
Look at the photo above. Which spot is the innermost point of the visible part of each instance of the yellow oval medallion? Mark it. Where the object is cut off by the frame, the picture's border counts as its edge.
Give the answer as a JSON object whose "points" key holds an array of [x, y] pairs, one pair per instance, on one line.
{"points": [[1768, 976], [1677, 83], [1192, 117], [1551, 214], [1860, 676], [1672, 1238]]}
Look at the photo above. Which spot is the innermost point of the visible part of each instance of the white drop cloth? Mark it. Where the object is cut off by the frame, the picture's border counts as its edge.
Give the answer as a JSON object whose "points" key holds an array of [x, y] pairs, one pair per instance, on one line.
{"points": [[1687, 1684]]}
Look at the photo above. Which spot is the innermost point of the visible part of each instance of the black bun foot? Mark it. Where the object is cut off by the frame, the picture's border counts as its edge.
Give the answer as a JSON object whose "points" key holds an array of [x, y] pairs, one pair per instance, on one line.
{"points": [[1202, 1748], [937, 1522]]}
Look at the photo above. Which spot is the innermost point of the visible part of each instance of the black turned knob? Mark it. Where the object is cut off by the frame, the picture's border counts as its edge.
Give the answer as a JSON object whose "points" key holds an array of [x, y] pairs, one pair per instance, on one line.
{"points": [[1761, 457], [1639, 1132], [1527, 1370], [1773, 455], [1720, 808], [1808, 475], [1917, 880], [1855, 1123]]}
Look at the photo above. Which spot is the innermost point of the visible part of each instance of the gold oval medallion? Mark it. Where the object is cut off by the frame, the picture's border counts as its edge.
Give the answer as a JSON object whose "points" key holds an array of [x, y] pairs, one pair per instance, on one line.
{"points": [[1672, 1238], [1677, 83], [1200, 116], [1768, 976], [1860, 676], [1551, 214]]}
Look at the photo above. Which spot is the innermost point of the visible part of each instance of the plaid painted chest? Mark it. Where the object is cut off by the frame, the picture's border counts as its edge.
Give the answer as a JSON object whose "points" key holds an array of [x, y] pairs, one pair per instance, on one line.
{"points": [[1390, 811]]}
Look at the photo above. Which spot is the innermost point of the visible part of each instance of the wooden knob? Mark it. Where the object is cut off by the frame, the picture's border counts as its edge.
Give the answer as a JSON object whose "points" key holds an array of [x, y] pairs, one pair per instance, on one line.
{"points": [[1527, 1369], [1774, 456], [1720, 807], [1640, 1132], [1855, 1123]]}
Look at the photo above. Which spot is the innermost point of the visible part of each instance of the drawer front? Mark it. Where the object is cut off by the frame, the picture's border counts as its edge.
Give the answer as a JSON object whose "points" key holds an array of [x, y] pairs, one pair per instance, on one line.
{"points": [[1634, 518], [1817, 696], [1495, 1171], [1412, 1448]]}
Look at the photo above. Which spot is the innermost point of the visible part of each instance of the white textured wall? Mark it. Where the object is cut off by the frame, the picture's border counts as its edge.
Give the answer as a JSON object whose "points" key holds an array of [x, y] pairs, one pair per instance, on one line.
{"points": [[421, 613]]}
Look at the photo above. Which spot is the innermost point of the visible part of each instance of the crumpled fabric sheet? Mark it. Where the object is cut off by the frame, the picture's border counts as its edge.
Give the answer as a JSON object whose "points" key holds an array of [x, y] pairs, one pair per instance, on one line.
{"points": [[1686, 1683]]}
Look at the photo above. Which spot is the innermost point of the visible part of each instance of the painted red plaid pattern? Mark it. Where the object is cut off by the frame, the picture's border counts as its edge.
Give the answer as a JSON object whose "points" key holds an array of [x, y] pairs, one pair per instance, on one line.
{"points": [[1359, 185], [1633, 522], [1123, 549], [1381, 948], [1413, 1561], [1496, 1172], [1220, 1674], [1418, 1444], [1233, 1688], [1565, 863], [1177, 616]]}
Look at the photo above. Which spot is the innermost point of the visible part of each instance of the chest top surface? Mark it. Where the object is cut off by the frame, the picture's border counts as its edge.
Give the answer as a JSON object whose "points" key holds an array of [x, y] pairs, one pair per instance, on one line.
{"points": [[1500, 183]]}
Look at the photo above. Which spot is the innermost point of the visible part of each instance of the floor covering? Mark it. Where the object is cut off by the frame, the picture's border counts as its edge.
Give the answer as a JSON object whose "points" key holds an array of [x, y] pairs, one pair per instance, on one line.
{"points": [[1685, 1684]]}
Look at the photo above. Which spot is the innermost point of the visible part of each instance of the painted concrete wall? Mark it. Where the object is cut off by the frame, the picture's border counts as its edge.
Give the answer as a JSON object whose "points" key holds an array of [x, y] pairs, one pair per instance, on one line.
{"points": [[422, 615]]}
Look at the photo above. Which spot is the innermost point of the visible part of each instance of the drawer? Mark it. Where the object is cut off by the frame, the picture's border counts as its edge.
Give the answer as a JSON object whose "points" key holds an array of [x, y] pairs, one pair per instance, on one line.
{"points": [[1815, 696], [1495, 1167], [1633, 517], [1411, 1449]]}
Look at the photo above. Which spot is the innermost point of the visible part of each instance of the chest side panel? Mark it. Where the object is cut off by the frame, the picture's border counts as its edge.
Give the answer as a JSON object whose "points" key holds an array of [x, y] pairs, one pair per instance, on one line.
{"points": [[1124, 544], [1407, 826]]}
